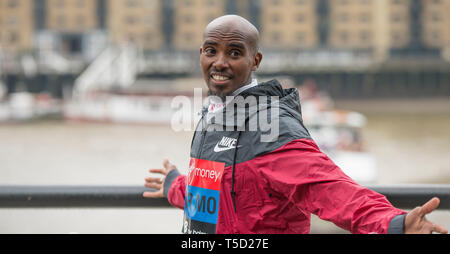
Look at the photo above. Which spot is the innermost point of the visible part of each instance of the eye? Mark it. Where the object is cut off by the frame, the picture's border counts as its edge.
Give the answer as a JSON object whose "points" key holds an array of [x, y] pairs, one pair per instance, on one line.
{"points": [[209, 51], [235, 53]]}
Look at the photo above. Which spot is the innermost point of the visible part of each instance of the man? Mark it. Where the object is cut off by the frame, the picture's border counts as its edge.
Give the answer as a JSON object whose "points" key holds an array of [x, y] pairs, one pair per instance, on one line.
{"points": [[238, 183]]}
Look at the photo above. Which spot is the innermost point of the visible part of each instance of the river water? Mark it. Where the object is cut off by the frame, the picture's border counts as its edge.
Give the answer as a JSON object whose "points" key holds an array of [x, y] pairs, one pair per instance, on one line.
{"points": [[409, 148]]}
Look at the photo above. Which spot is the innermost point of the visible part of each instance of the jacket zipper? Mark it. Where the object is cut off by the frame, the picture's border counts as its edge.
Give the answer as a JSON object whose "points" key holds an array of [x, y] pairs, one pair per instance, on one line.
{"points": [[202, 141]]}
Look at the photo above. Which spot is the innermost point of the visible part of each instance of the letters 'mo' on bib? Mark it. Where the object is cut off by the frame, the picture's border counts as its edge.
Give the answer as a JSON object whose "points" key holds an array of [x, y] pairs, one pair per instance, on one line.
{"points": [[201, 206]]}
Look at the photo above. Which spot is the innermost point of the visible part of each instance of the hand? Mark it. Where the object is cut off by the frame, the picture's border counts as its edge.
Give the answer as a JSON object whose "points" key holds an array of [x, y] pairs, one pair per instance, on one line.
{"points": [[416, 223], [158, 182]]}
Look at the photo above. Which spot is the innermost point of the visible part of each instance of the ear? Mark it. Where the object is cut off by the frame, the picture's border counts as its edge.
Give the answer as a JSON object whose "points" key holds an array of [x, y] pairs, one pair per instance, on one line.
{"points": [[201, 50], [257, 61]]}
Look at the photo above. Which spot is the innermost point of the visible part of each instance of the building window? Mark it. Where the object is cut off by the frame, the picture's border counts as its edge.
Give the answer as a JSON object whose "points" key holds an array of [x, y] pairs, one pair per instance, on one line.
{"points": [[188, 18], [12, 21], [365, 18], [130, 20], [148, 20], [276, 37], [300, 2], [300, 18], [81, 21], [13, 37], [398, 2], [81, 3], [150, 4], [188, 37], [436, 17], [365, 36], [132, 3], [276, 18], [60, 4], [436, 36], [61, 21], [13, 3], [397, 37], [210, 2], [301, 37], [396, 17], [131, 38], [344, 17], [344, 36], [148, 38]]}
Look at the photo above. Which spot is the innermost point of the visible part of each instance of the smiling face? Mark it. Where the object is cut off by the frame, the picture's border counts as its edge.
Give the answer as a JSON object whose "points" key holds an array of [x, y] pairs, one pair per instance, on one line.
{"points": [[228, 56]]}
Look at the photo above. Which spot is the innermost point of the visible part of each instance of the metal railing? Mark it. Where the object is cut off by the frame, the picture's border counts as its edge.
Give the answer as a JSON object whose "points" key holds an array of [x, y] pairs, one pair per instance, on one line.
{"points": [[401, 196], [76, 196]]}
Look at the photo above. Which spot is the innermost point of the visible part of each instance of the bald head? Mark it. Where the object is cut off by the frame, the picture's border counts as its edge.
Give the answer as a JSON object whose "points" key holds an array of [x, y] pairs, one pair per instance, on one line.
{"points": [[229, 54], [227, 25]]}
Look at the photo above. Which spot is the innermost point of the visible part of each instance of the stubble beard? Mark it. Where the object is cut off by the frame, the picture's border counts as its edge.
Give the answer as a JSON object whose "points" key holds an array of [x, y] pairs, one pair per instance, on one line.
{"points": [[222, 96]]}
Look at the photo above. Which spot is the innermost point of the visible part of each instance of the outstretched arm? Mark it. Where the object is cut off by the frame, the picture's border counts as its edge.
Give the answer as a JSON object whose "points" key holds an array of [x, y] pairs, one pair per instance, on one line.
{"points": [[312, 182]]}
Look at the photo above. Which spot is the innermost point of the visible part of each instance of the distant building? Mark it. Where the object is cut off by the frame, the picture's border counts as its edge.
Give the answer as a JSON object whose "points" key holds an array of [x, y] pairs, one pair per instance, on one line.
{"points": [[71, 16], [401, 42], [190, 18], [84, 27], [369, 24], [16, 25], [70, 22], [289, 24], [136, 21], [397, 23], [436, 23]]}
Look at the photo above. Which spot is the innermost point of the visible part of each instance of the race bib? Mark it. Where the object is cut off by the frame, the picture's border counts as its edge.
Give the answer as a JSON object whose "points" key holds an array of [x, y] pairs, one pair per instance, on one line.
{"points": [[201, 206]]}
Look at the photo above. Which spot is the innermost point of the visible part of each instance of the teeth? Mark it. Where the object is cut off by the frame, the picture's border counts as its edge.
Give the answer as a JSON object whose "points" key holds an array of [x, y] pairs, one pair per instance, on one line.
{"points": [[219, 78]]}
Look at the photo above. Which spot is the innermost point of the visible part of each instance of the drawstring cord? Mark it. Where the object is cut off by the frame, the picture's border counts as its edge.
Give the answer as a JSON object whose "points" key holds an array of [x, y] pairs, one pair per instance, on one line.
{"points": [[233, 193]]}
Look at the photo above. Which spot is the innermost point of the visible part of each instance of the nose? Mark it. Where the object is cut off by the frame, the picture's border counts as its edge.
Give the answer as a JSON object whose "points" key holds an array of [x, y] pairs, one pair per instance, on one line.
{"points": [[220, 62]]}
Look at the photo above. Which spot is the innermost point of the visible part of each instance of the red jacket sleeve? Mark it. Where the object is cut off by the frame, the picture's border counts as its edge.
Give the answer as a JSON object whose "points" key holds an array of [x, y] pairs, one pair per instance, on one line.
{"points": [[177, 191], [311, 181]]}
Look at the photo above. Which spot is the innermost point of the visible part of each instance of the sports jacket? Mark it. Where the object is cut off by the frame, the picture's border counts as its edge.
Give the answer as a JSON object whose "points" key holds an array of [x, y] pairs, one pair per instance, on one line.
{"points": [[238, 183]]}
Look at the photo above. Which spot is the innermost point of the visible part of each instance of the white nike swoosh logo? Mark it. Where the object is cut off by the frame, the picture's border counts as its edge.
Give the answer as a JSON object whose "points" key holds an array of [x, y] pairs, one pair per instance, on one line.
{"points": [[218, 149]]}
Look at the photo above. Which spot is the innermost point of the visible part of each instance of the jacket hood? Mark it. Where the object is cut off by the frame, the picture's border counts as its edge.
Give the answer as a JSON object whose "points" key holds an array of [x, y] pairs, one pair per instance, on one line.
{"points": [[266, 99], [269, 88]]}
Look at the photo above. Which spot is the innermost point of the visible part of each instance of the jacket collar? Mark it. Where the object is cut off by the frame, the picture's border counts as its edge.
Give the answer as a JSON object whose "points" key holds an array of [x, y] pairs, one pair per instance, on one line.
{"points": [[254, 99]]}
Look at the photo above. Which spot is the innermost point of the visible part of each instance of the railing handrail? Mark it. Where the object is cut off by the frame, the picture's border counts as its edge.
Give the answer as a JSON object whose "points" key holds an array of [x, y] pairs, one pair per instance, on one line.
{"points": [[76, 196], [20, 196]]}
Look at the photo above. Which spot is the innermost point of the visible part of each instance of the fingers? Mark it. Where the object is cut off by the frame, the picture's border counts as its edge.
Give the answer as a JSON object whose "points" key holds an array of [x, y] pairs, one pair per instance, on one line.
{"points": [[156, 194], [153, 183], [429, 206], [439, 229], [430, 227], [167, 165], [153, 186], [159, 180], [158, 171]]}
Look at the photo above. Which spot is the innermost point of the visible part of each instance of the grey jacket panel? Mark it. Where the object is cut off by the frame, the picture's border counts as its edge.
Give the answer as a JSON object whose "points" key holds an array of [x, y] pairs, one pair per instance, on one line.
{"points": [[169, 180], [397, 225]]}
